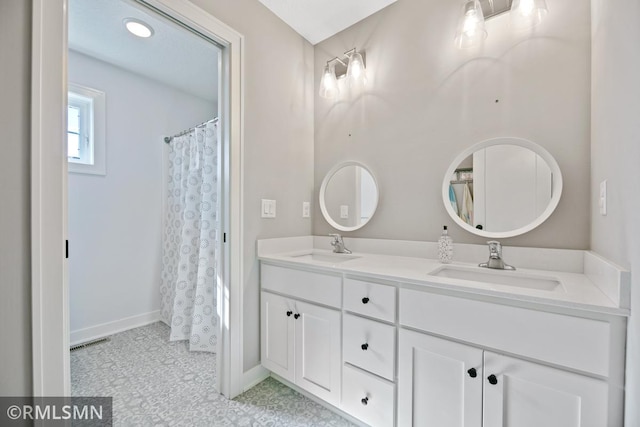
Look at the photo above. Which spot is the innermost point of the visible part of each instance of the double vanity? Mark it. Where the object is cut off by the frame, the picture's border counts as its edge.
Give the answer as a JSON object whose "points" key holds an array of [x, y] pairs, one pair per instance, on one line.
{"points": [[386, 334], [404, 340]]}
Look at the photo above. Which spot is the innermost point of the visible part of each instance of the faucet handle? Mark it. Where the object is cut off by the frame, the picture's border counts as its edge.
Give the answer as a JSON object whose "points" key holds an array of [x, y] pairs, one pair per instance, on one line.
{"points": [[495, 248]]}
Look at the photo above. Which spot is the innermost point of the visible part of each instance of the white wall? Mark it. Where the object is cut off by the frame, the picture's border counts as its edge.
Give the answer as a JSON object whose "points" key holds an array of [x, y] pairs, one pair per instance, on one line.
{"points": [[615, 153], [15, 169], [426, 101], [115, 221], [278, 139]]}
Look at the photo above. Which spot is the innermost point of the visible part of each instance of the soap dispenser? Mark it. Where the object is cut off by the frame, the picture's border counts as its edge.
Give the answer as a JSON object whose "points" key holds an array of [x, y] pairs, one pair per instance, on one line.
{"points": [[445, 247]]}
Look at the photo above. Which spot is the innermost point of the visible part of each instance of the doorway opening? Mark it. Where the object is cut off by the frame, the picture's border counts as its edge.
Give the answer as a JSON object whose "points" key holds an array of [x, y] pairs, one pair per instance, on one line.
{"points": [[50, 152], [144, 198]]}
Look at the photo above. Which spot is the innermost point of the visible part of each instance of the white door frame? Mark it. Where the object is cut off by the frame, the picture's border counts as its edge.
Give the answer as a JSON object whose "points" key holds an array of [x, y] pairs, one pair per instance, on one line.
{"points": [[50, 287]]}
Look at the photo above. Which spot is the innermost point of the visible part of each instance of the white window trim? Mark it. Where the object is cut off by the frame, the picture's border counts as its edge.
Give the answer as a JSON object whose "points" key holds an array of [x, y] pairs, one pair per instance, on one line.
{"points": [[97, 130]]}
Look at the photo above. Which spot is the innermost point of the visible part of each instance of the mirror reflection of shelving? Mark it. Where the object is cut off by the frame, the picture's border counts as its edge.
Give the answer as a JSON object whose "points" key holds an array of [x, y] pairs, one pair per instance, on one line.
{"points": [[462, 176], [461, 193]]}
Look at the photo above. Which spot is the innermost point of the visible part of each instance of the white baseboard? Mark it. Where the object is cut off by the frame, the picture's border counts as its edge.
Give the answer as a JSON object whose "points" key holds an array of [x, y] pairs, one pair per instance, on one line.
{"points": [[254, 376], [99, 331]]}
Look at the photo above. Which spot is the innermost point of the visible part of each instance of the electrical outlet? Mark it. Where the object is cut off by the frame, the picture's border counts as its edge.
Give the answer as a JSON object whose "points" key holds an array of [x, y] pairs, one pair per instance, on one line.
{"points": [[306, 209], [344, 211], [602, 201]]}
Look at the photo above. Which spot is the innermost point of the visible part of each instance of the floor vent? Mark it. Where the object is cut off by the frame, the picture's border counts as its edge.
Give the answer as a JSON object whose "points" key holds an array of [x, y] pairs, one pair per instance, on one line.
{"points": [[89, 343]]}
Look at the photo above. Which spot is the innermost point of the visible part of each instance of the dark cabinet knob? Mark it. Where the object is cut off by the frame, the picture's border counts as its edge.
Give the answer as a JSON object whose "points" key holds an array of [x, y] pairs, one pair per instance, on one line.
{"points": [[365, 401], [364, 346], [365, 300], [289, 313], [295, 316], [472, 372], [493, 380]]}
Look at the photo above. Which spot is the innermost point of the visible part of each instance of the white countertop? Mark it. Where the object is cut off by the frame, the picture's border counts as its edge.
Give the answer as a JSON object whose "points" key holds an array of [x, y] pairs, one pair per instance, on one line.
{"points": [[577, 291]]}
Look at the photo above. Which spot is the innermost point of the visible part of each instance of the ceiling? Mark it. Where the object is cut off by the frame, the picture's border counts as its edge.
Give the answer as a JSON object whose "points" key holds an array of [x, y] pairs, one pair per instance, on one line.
{"points": [[317, 20], [173, 55]]}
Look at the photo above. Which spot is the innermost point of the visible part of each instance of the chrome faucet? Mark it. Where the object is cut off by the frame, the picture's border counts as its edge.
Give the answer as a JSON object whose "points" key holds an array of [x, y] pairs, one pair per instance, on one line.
{"points": [[338, 244], [495, 257]]}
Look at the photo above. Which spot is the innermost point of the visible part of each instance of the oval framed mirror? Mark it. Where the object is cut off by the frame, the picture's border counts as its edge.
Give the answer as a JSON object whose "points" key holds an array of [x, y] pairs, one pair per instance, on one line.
{"points": [[348, 196], [502, 187]]}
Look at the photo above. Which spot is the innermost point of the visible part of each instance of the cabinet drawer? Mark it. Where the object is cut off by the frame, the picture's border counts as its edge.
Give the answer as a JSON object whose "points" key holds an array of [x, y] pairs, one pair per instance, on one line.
{"points": [[370, 299], [319, 288], [555, 338], [378, 339], [378, 394]]}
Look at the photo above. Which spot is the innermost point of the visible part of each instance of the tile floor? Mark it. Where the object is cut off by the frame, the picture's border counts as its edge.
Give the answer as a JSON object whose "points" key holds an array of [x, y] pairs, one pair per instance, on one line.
{"points": [[155, 382]]}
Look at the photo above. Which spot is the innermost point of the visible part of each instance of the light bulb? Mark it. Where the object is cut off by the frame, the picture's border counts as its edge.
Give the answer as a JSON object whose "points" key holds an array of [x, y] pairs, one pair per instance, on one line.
{"points": [[526, 7], [527, 13], [329, 83], [356, 72], [470, 31], [138, 28]]}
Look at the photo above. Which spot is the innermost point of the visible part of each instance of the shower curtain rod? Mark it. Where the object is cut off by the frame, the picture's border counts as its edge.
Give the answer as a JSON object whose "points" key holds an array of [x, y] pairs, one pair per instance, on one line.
{"points": [[168, 139]]}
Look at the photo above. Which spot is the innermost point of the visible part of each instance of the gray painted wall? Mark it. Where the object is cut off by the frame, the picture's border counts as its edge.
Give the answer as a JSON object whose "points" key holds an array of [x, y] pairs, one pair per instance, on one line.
{"points": [[278, 138], [15, 267], [426, 101], [615, 150]]}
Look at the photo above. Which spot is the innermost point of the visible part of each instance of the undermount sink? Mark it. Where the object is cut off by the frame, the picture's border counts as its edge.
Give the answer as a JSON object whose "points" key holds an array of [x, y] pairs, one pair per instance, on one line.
{"points": [[499, 277], [330, 258]]}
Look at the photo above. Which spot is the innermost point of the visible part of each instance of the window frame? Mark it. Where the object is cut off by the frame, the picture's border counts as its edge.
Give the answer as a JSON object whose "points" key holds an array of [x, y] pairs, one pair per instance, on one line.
{"points": [[92, 105]]}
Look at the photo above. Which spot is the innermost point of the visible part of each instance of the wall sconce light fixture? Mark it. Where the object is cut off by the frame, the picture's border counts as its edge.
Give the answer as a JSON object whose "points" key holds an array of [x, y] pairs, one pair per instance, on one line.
{"points": [[329, 82], [471, 30], [353, 70], [527, 13]]}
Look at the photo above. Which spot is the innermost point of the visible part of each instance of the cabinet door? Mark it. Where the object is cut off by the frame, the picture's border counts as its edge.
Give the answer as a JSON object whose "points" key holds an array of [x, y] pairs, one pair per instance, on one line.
{"points": [[277, 335], [439, 382], [530, 395], [318, 351]]}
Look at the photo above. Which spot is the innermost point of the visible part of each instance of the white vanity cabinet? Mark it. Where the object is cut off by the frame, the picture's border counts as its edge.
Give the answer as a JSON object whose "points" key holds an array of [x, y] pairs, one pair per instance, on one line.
{"points": [[525, 394], [300, 341], [439, 382], [277, 335], [369, 351], [452, 384], [448, 384], [404, 354]]}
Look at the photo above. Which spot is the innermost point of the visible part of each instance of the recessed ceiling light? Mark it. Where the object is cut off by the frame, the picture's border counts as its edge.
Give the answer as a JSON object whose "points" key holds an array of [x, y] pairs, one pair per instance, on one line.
{"points": [[138, 28]]}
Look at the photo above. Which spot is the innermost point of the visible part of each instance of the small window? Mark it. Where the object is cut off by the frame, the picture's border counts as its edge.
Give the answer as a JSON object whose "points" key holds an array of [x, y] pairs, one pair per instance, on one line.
{"points": [[86, 130]]}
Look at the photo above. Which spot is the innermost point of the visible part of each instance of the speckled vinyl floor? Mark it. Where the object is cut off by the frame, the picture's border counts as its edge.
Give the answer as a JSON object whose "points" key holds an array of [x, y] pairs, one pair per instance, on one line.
{"points": [[155, 382]]}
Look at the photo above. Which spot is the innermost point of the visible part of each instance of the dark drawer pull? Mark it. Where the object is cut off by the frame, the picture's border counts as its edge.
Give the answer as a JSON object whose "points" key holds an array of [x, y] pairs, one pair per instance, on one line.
{"points": [[472, 372], [295, 316], [364, 346], [365, 401], [289, 313], [365, 300], [493, 380]]}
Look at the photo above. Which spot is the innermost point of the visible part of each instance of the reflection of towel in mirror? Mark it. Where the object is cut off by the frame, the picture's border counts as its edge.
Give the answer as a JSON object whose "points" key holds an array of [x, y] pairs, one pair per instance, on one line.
{"points": [[452, 200], [467, 205]]}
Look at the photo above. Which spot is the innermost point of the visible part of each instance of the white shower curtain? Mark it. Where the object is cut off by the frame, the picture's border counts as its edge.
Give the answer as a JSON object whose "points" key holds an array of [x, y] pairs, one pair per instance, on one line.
{"points": [[188, 286]]}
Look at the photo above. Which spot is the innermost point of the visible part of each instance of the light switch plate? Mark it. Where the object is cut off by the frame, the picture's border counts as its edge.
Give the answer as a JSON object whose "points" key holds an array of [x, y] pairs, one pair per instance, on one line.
{"points": [[268, 208], [602, 201], [306, 209]]}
